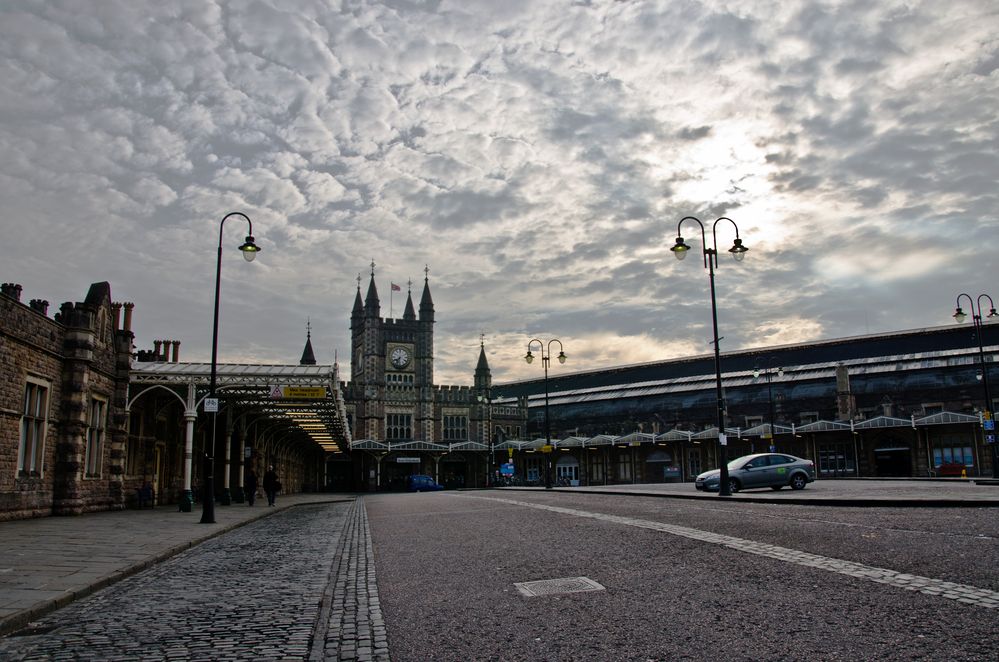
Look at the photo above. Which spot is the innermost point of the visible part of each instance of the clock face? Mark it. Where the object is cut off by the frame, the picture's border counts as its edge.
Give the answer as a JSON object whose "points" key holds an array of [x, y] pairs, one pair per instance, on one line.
{"points": [[399, 357]]}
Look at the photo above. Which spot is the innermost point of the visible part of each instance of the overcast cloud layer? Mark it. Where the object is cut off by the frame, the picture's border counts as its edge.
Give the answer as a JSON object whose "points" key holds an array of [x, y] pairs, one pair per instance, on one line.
{"points": [[537, 155]]}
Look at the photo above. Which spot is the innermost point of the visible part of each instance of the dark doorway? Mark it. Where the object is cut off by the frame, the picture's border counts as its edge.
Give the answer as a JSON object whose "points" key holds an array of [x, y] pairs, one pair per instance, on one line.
{"points": [[890, 462]]}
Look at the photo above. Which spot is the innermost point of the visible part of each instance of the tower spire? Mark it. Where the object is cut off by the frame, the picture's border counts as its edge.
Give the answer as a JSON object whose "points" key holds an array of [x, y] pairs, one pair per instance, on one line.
{"points": [[308, 356]]}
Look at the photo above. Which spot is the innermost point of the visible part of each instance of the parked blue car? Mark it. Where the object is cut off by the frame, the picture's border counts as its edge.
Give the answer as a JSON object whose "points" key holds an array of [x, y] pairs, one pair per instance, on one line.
{"points": [[421, 483]]}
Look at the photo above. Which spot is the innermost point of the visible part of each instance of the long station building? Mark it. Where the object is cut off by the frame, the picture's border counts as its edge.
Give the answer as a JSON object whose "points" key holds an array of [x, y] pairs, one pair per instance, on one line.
{"points": [[88, 423]]}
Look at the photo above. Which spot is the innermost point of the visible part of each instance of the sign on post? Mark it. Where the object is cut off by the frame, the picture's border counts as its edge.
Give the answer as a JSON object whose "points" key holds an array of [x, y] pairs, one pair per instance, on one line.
{"points": [[211, 405]]}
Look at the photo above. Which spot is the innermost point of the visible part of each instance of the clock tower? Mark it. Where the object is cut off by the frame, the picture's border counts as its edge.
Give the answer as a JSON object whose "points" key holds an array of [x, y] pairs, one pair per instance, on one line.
{"points": [[392, 371]]}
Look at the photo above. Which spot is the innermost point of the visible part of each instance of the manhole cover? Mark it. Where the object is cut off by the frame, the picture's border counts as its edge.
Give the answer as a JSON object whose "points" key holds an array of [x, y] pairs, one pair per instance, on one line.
{"points": [[557, 586]]}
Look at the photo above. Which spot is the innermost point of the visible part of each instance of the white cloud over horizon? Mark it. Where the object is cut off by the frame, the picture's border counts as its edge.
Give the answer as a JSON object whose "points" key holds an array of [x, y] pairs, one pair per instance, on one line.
{"points": [[536, 155]]}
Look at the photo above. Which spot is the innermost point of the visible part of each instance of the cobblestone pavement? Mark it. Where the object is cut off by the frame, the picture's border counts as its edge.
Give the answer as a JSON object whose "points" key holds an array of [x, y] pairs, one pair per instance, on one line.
{"points": [[296, 585]]}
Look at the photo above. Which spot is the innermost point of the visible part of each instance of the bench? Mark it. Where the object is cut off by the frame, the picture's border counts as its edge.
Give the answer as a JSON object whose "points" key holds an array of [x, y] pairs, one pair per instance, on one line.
{"points": [[144, 495]]}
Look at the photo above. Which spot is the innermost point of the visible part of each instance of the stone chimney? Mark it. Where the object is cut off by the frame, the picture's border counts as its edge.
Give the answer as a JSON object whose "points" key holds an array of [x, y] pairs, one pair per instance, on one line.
{"points": [[156, 349], [39, 306], [176, 350], [12, 290], [127, 324], [116, 315]]}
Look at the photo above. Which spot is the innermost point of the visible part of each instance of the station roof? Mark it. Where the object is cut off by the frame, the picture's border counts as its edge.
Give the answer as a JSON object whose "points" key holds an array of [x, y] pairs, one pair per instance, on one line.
{"points": [[304, 398]]}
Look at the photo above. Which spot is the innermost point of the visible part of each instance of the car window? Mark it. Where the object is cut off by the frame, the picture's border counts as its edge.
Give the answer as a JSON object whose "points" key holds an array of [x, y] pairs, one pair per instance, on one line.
{"points": [[756, 464], [780, 459]]}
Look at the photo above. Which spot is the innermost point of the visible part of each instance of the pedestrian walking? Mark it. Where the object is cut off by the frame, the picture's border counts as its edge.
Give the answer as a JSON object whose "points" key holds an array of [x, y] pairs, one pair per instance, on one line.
{"points": [[251, 485], [271, 485]]}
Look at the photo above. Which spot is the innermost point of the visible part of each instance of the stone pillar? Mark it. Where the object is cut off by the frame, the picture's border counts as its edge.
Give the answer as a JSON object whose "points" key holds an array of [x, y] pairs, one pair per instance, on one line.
{"points": [[78, 348], [238, 494], [186, 500], [226, 498]]}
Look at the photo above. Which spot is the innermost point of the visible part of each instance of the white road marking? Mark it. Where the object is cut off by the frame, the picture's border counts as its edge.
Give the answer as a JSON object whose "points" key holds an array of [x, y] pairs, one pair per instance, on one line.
{"points": [[963, 593]]}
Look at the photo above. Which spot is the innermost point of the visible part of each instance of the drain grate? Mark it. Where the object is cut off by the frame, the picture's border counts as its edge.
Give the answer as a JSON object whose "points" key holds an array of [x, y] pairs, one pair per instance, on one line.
{"points": [[558, 586]]}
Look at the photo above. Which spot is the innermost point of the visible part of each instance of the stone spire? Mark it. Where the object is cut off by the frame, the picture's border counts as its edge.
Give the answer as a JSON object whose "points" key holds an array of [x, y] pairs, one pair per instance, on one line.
{"points": [[426, 302], [410, 313], [372, 307], [308, 356], [358, 311], [483, 376]]}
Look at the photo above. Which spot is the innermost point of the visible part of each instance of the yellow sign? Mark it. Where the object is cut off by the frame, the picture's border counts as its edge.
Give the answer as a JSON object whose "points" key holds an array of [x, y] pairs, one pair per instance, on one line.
{"points": [[510, 450], [547, 448], [298, 392]]}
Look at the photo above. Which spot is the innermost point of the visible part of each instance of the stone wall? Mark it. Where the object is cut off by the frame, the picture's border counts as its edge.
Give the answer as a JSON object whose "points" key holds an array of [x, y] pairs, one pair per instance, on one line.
{"points": [[77, 356], [30, 348]]}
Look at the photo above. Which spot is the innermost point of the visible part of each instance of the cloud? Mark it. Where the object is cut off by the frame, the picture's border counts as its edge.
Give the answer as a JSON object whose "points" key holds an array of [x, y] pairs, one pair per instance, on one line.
{"points": [[536, 155]]}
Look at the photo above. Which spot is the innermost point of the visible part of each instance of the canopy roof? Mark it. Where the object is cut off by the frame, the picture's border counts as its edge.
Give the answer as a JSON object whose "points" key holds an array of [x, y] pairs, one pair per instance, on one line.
{"points": [[304, 398]]}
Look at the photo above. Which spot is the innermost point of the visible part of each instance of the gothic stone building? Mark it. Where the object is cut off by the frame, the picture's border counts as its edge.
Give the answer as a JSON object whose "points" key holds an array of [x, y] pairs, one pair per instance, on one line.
{"points": [[62, 395], [402, 422]]}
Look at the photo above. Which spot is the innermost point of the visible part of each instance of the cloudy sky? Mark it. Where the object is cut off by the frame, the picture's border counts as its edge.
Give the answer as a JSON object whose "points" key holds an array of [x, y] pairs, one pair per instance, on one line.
{"points": [[537, 155]]}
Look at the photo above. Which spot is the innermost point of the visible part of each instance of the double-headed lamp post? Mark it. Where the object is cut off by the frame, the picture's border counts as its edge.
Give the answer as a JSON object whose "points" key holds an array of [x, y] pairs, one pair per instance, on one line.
{"points": [[738, 252], [988, 418], [250, 250], [768, 372], [545, 358]]}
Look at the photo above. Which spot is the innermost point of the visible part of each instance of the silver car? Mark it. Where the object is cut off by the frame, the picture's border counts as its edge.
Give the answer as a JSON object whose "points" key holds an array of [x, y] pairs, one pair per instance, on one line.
{"points": [[773, 470]]}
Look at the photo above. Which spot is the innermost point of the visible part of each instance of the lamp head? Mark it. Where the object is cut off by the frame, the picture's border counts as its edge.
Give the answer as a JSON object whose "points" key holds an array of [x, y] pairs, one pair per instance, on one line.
{"points": [[738, 251], [249, 249], [561, 357], [756, 373], [680, 249], [530, 357], [960, 315], [992, 313]]}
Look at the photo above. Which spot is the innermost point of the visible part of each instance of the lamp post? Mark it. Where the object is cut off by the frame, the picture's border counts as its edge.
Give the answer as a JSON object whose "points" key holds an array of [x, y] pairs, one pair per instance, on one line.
{"points": [[486, 401], [250, 250], [768, 372], [988, 422], [545, 358], [738, 252]]}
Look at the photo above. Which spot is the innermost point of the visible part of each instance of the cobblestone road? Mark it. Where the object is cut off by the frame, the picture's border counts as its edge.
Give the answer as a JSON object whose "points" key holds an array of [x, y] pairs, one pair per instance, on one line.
{"points": [[296, 585]]}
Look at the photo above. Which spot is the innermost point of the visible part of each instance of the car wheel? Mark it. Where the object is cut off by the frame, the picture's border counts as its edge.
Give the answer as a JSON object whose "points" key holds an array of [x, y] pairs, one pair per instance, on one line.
{"points": [[776, 487], [733, 485], [798, 482]]}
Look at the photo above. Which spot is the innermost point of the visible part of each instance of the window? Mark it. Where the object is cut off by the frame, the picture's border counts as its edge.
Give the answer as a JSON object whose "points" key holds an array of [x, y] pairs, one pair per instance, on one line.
{"points": [[455, 428], [753, 421], [398, 426], [95, 436], [953, 455], [809, 417], [33, 424], [930, 408]]}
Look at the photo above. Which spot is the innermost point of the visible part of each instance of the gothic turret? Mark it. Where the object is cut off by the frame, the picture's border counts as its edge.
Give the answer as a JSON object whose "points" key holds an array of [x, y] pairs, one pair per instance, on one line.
{"points": [[358, 312], [483, 376], [426, 302], [372, 307], [308, 356], [410, 313]]}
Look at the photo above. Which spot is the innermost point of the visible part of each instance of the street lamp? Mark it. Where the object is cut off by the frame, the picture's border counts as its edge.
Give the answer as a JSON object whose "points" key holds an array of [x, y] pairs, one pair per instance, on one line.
{"points": [[250, 250], [738, 252], [988, 421], [545, 358], [768, 372], [486, 401]]}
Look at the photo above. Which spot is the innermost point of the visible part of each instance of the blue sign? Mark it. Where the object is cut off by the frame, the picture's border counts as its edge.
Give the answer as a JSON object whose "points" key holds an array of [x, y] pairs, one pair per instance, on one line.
{"points": [[989, 424], [990, 439], [506, 469]]}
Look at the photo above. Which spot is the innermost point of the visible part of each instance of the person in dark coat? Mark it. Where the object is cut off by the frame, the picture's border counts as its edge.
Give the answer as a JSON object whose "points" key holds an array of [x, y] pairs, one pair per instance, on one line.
{"points": [[251, 486], [271, 485]]}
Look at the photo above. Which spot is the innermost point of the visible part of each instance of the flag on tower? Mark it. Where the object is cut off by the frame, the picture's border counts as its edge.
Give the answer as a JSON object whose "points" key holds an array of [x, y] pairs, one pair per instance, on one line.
{"points": [[396, 288]]}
